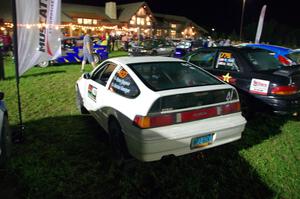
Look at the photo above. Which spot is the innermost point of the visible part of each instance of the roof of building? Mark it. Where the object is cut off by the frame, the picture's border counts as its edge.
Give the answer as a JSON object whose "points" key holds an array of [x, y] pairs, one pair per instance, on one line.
{"points": [[178, 19], [126, 11]]}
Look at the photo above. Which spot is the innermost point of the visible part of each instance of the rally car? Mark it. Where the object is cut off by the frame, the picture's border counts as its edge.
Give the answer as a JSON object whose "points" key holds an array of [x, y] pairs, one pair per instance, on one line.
{"points": [[71, 51], [159, 106], [5, 133], [264, 84], [285, 55]]}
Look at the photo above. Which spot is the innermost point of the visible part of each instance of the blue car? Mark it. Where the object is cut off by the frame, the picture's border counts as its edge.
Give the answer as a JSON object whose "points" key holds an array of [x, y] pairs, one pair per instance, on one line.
{"points": [[285, 55], [185, 47], [71, 51]]}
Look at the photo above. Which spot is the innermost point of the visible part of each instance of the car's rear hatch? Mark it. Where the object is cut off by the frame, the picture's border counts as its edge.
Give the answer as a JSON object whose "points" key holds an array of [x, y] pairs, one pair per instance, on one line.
{"points": [[178, 107], [292, 72]]}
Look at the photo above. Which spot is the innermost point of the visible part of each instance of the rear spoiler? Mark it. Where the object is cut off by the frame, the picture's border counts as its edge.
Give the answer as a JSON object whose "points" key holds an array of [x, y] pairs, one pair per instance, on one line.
{"points": [[288, 70]]}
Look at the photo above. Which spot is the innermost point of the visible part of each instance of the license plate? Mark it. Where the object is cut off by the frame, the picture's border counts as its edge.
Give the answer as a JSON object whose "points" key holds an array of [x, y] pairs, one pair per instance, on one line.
{"points": [[201, 141]]}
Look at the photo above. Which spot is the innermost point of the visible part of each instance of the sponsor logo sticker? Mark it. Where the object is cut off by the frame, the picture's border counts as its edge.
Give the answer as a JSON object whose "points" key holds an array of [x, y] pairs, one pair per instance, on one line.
{"points": [[259, 86], [92, 92]]}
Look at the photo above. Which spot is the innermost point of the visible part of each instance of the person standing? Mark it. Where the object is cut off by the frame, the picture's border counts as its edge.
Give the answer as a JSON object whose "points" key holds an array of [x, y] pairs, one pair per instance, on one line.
{"points": [[87, 50]]}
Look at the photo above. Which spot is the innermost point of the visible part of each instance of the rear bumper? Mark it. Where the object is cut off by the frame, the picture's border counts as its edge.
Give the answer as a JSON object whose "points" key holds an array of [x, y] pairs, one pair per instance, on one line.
{"points": [[153, 144], [283, 105]]}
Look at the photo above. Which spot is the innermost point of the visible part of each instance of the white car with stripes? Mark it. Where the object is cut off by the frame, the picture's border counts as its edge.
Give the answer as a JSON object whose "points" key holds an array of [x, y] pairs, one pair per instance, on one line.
{"points": [[153, 107]]}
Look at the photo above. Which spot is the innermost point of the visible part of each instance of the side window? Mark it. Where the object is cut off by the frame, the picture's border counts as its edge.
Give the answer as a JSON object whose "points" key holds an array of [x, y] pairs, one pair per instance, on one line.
{"points": [[104, 73], [226, 61], [124, 85], [203, 59]]}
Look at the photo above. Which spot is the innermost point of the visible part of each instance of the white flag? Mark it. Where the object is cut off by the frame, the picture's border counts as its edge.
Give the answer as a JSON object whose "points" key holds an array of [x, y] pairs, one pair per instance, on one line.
{"points": [[38, 32], [260, 24]]}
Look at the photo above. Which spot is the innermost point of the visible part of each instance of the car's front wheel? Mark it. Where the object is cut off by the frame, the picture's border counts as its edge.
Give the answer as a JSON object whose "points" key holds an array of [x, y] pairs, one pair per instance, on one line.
{"points": [[43, 64], [79, 102], [5, 142], [96, 58]]}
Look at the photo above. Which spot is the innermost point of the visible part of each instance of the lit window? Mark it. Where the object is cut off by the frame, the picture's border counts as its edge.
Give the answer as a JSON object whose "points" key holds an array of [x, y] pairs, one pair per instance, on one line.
{"points": [[79, 20], [87, 21], [142, 21], [158, 32], [148, 23], [132, 22], [95, 21], [173, 25], [173, 33], [138, 20], [147, 18]]}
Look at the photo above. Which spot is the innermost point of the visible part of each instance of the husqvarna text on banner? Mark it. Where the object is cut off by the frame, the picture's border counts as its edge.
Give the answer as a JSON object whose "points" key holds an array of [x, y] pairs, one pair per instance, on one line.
{"points": [[39, 34]]}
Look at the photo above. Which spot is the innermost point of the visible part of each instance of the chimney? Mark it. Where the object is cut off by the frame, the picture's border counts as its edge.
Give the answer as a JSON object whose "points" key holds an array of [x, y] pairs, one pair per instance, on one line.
{"points": [[111, 9]]}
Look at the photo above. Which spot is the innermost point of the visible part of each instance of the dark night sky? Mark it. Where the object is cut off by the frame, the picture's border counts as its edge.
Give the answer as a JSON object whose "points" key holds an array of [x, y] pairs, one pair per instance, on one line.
{"points": [[223, 15]]}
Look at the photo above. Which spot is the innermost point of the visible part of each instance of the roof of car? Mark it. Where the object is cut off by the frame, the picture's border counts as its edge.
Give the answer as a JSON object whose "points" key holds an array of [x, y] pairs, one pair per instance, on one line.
{"points": [[144, 59]]}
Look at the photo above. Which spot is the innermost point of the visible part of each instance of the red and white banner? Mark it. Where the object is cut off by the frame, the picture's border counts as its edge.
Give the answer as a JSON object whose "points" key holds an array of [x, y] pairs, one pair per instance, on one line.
{"points": [[260, 24], [39, 35]]}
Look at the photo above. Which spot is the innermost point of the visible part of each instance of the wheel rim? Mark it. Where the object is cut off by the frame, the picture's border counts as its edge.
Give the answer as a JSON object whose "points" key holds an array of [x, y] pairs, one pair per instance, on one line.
{"points": [[44, 64], [96, 58]]}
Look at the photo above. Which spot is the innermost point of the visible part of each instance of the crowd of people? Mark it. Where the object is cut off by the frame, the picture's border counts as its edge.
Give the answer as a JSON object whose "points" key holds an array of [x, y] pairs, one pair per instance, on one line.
{"points": [[5, 43]]}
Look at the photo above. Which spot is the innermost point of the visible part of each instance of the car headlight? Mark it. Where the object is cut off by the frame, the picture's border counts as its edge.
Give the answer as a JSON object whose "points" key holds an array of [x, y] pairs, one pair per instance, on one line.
{"points": [[130, 50], [143, 51]]}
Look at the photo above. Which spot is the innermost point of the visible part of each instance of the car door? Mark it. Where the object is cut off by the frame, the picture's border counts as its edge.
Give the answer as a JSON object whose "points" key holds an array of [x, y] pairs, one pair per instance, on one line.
{"points": [[97, 90], [233, 69]]}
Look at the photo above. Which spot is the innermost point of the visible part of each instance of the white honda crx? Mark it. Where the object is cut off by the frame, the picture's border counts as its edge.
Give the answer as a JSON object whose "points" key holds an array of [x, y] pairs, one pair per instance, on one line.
{"points": [[158, 106]]}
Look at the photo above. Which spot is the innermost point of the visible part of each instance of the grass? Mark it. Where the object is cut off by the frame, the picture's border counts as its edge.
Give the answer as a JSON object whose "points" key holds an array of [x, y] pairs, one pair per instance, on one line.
{"points": [[66, 155]]}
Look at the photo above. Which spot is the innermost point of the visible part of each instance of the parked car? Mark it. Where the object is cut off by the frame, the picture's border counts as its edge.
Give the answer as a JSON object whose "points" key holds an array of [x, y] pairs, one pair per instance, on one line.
{"points": [[5, 133], [285, 55], [160, 106], [72, 51], [264, 84], [187, 46], [152, 47]]}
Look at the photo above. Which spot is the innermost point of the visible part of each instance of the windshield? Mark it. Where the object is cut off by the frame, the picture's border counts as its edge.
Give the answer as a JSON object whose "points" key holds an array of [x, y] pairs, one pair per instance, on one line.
{"points": [[184, 44], [294, 56], [262, 60], [171, 75]]}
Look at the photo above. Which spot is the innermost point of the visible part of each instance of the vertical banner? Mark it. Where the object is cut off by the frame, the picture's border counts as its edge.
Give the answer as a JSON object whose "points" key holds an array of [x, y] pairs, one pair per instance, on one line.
{"points": [[38, 30], [260, 24]]}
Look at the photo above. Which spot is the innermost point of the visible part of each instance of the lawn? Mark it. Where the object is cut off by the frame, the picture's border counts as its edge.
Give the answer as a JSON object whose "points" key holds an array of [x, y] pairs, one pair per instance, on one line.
{"points": [[66, 155]]}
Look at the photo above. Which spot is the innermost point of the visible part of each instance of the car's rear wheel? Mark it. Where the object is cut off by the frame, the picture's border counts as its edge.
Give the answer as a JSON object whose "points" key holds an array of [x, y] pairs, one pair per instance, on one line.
{"points": [[5, 142], [79, 103], [96, 58], [43, 64], [117, 140]]}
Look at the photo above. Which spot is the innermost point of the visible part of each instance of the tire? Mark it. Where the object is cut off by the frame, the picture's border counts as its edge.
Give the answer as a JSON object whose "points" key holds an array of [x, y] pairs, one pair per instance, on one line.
{"points": [[154, 53], [117, 141], [5, 143], [43, 64], [96, 58], [171, 53], [82, 110]]}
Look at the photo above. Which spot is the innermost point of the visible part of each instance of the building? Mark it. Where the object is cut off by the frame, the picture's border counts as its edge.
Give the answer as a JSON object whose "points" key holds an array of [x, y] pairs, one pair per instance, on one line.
{"points": [[133, 19]]}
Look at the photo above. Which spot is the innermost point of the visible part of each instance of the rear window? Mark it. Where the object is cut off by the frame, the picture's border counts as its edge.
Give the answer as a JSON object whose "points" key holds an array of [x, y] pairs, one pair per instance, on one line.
{"points": [[172, 75], [188, 100], [262, 60], [295, 57]]}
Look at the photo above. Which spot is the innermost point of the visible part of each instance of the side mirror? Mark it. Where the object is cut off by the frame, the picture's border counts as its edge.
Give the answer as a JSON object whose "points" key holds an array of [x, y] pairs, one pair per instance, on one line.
{"points": [[86, 75], [1, 95]]}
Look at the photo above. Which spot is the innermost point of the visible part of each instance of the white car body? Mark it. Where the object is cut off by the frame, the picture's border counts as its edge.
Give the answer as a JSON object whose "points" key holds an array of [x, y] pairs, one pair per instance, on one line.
{"points": [[151, 144]]}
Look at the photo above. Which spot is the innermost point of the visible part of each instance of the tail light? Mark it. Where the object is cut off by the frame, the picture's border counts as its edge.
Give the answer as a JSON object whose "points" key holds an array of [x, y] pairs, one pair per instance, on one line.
{"points": [[187, 116], [284, 90], [284, 60]]}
